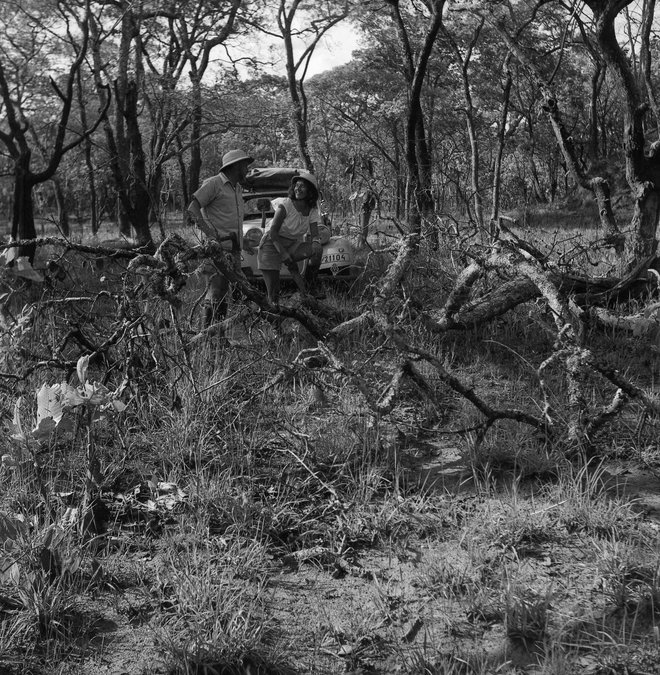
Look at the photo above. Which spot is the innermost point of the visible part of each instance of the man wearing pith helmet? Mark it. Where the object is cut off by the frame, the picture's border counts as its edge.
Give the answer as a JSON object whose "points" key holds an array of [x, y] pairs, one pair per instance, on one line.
{"points": [[218, 209]]}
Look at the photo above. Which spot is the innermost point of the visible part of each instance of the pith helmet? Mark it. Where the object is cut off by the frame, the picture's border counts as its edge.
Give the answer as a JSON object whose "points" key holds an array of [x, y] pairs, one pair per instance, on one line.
{"points": [[234, 156], [309, 177]]}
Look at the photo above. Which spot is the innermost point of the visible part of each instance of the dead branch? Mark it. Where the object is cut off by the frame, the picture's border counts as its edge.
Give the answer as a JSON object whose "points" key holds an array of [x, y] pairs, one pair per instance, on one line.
{"points": [[387, 399], [491, 414], [618, 380], [358, 382], [167, 269], [606, 414], [70, 365], [128, 251]]}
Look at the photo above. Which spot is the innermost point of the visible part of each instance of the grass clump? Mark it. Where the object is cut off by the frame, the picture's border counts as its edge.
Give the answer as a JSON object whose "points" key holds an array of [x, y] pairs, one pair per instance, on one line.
{"points": [[213, 618]]}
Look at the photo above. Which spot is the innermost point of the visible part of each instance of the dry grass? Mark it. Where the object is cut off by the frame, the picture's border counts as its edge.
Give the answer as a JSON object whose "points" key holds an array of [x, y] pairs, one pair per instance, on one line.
{"points": [[247, 525]]}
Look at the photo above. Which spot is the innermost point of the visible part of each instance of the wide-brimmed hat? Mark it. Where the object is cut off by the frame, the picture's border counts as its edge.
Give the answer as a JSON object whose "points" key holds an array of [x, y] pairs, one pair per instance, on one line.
{"points": [[309, 177], [234, 156]]}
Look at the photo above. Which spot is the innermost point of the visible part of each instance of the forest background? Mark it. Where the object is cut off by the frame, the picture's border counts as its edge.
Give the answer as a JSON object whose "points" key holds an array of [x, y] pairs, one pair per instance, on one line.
{"points": [[447, 465], [115, 112]]}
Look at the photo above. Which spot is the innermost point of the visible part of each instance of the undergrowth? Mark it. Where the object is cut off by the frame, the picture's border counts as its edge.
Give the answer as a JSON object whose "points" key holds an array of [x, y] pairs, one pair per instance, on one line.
{"points": [[240, 513]]}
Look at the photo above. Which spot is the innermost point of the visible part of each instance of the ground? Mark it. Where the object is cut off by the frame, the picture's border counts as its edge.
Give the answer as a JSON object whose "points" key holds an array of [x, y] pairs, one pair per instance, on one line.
{"points": [[255, 516], [436, 594]]}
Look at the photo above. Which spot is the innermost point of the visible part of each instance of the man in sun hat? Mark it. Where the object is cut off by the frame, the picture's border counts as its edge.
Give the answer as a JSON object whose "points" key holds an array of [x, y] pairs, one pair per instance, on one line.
{"points": [[217, 208]]}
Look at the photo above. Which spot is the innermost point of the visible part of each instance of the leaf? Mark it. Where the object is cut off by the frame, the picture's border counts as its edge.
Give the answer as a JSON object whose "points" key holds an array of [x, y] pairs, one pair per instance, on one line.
{"points": [[10, 572], [10, 528], [81, 369], [49, 403], [50, 562], [96, 393], [44, 429], [118, 406], [17, 427], [97, 569], [166, 488], [66, 425], [71, 396], [71, 516], [53, 537], [71, 565]]}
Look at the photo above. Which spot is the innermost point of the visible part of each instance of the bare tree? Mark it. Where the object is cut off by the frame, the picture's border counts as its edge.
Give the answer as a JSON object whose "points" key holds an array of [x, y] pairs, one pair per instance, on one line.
{"points": [[307, 22], [126, 153], [463, 61], [207, 28], [415, 66], [16, 67]]}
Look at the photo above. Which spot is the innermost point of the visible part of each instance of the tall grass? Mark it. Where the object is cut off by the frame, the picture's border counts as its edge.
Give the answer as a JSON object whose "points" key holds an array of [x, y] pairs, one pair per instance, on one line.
{"points": [[230, 459]]}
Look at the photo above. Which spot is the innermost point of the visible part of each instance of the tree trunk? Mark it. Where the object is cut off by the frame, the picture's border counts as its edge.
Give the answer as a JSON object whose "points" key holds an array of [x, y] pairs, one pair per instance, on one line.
{"points": [[644, 222], [536, 183], [195, 168], [121, 147], [648, 16], [501, 137], [418, 155], [299, 112], [641, 171], [22, 224], [463, 62], [93, 196], [155, 189], [186, 196], [62, 211], [597, 80], [366, 209], [87, 151], [139, 194]]}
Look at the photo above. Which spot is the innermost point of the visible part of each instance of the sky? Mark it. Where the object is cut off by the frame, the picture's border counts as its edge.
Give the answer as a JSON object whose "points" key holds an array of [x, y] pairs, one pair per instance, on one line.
{"points": [[334, 49]]}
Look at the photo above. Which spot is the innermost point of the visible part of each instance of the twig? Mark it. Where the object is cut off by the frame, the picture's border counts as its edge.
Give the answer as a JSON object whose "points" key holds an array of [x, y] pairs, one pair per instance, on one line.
{"points": [[329, 488]]}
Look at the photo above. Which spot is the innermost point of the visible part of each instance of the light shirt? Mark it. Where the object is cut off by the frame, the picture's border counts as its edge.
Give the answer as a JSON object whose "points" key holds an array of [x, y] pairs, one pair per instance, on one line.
{"points": [[222, 205], [295, 225]]}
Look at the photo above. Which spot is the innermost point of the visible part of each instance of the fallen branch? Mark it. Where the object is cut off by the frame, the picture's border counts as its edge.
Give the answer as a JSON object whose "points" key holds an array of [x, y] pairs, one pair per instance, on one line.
{"points": [[490, 413]]}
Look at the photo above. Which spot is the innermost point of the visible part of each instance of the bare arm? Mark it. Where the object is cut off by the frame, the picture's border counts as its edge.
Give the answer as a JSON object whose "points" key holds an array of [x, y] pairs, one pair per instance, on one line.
{"points": [[314, 232], [195, 211]]}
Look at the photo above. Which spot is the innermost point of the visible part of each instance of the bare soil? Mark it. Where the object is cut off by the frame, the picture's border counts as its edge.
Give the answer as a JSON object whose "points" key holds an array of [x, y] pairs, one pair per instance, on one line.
{"points": [[430, 600]]}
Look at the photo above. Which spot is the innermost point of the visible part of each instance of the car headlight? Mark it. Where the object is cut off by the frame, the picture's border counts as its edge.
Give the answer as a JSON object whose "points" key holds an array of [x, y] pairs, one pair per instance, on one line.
{"points": [[253, 236], [324, 234]]}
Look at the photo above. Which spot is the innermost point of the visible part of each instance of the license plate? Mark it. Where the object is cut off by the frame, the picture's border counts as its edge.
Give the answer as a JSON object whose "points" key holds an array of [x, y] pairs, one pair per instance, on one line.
{"points": [[333, 258]]}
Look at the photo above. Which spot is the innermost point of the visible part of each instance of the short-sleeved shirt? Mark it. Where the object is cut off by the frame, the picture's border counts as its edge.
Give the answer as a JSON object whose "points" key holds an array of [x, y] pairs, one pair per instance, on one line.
{"points": [[222, 205], [295, 225]]}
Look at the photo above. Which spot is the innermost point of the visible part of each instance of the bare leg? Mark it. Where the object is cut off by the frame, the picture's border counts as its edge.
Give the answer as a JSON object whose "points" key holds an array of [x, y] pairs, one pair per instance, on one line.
{"points": [[215, 301], [295, 275], [272, 281], [311, 274]]}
